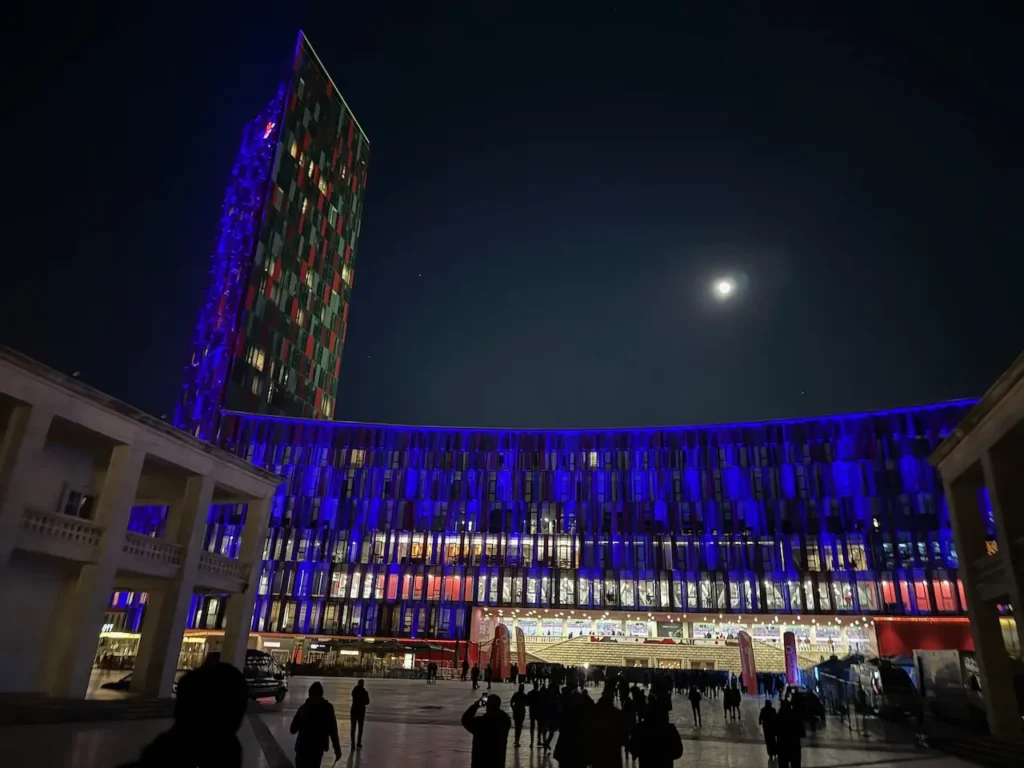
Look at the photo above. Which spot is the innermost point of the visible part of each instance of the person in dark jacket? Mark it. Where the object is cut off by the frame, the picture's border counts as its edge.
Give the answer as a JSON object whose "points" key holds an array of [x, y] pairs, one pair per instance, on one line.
{"points": [[655, 742], [317, 728], [534, 704], [790, 730], [360, 701], [769, 723], [695, 698], [490, 732], [474, 675], [570, 749], [606, 732], [208, 711], [465, 668], [518, 706], [487, 676]]}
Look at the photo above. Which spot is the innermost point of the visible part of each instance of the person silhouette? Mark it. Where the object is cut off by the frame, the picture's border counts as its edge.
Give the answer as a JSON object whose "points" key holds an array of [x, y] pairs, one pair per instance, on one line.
{"points": [[790, 730], [695, 698], [768, 720], [535, 703], [518, 705], [315, 725], [474, 675], [360, 701], [490, 732], [655, 742], [208, 711]]}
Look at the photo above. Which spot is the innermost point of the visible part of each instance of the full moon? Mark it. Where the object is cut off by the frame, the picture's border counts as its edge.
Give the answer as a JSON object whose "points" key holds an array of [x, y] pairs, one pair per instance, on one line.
{"points": [[724, 288]]}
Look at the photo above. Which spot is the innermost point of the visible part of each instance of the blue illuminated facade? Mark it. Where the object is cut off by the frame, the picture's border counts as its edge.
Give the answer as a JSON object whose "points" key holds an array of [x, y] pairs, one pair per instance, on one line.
{"points": [[393, 530]]}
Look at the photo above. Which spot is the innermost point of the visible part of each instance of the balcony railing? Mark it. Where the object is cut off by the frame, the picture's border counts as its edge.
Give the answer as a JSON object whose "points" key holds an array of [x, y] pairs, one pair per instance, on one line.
{"points": [[218, 565], [65, 528], [153, 550]]}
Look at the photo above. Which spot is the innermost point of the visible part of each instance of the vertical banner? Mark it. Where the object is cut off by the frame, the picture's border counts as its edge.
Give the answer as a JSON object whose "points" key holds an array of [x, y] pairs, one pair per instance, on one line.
{"points": [[748, 669], [500, 662], [521, 650], [792, 666]]}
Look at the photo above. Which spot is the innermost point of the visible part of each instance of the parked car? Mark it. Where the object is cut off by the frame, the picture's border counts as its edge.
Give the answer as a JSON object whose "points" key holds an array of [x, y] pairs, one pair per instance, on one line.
{"points": [[263, 675], [122, 684]]}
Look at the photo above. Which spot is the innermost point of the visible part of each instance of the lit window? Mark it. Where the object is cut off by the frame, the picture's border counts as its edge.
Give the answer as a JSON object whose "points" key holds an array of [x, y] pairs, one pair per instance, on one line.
{"points": [[346, 274], [255, 386], [593, 460], [344, 172], [358, 456], [300, 318], [323, 185], [294, 150], [309, 279], [309, 170], [305, 204], [258, 360]]}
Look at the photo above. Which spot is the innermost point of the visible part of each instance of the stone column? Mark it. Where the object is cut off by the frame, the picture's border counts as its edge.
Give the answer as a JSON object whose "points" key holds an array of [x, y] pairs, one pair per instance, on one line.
{"points": [[990, 650], [77, 625], [167, 610], [20, 448], [238, 617], [1005, 482]]}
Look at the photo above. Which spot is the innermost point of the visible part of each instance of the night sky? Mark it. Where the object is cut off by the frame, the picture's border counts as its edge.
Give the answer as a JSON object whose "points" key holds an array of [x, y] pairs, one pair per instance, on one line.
{"points": [[549, 199]]}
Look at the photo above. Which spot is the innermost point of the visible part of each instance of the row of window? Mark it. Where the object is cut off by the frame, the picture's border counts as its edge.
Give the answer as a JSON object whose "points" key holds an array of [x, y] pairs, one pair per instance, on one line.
{"points": [[913, 593]]}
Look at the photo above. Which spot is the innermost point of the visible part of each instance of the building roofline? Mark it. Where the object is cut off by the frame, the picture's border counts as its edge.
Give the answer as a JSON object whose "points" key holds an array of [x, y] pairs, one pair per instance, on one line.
{"points": [[337, 90], [680, 427], [984, 406], [121, 408]]}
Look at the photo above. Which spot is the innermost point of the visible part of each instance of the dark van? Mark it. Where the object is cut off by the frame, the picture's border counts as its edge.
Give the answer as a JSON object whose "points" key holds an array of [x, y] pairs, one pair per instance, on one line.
{"points": [[262, 675]]}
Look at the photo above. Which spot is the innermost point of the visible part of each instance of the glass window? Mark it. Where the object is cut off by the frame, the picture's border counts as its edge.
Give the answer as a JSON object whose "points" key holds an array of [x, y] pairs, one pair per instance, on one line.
{"points": [[842, 596], [626, 592], [867, 594], [944, 599], [924, 605]]}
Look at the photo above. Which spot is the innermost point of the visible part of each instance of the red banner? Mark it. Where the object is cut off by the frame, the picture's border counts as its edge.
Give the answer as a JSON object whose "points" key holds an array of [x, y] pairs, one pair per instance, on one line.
{"points": [[749, 670], [792, 664], [521, 650], [500, 664]]}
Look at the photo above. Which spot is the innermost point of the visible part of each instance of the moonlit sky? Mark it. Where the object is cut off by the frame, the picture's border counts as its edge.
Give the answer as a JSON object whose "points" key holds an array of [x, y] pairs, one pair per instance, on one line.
{"points": [[553, 191]]}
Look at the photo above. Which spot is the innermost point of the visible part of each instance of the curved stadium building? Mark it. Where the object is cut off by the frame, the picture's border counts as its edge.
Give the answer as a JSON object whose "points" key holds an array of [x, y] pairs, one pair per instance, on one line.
{"points": [[834, 528]]}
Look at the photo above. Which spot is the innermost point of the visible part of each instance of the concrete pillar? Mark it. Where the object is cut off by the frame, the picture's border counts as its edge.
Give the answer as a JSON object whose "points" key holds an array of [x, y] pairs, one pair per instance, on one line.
{"points": [[238, 618], [22, 443], [77, 626], [167, 610], [990, 650], [1005, 481]]}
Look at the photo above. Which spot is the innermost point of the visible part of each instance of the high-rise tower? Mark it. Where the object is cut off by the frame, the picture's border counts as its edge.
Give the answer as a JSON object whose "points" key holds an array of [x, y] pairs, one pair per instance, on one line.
{"points": [[273, 322]]}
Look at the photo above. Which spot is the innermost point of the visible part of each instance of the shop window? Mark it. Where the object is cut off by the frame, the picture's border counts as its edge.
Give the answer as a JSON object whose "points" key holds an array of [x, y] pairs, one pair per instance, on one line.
{"points": [[867, 594]]}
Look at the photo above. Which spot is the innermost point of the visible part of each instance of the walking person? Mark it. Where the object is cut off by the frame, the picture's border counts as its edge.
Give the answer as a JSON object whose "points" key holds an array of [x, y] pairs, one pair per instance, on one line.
{"points": [[487, 676], [518, 705], [317, 728], [534, 706], [490, 732], [465, 669], [515, 673], [475, 676], [789, 732], [360, 701], [768, 720], [695, 698]]}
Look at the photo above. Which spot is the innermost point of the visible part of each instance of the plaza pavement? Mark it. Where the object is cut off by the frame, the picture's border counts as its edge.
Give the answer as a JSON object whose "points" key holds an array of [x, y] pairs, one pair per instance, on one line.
{"points": [[409, 721]]}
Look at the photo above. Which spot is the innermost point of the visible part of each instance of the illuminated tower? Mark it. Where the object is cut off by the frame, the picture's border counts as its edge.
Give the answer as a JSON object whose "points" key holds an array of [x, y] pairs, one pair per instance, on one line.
{"points": [[273, 322]]}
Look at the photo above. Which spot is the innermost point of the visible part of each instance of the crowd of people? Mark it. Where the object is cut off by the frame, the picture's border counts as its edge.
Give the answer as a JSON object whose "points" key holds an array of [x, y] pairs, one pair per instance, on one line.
{"points": [[628, 721]]}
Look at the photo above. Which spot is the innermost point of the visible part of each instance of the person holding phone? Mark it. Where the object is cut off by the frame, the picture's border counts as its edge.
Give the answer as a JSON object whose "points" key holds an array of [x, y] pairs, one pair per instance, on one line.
{"points": [[490, 731]]}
